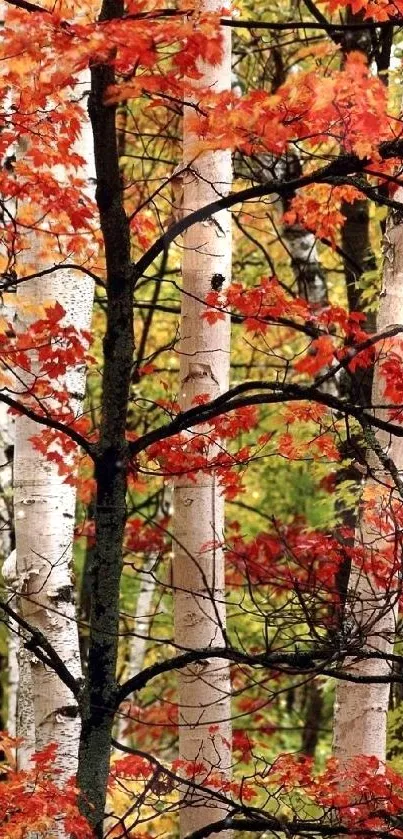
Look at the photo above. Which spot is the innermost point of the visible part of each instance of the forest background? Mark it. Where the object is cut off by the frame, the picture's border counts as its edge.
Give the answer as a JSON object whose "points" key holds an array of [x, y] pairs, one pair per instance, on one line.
{"points": [[201, 396]]}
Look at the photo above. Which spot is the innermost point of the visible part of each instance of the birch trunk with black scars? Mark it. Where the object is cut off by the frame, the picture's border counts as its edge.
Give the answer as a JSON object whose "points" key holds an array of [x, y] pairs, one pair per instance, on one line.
{"points": [[7, 311], [198, 518], [20, 709], [21, 718], [358, 253], [7, 532], [300, 243], [44, 508], [371, 611], [358, 258]]}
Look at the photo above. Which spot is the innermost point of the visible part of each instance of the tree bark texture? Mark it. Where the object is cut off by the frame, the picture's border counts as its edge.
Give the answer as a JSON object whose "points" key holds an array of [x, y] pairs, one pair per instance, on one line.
{"points": [[198, 523], [44, 507], [98, 706], [370, 613]]}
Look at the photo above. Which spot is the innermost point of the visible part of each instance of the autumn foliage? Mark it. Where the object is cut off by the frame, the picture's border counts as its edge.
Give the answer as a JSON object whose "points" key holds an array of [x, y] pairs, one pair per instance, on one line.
{"points": [[295, 402]]}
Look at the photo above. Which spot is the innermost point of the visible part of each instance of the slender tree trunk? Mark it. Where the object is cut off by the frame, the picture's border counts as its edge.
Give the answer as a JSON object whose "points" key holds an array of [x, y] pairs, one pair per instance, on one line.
{"points": [[44, 519], [7, 541], [313, 718], [358, 258], [137, 645], [370, 615], [310, 277], [44, 522], [20, 709], [99, 701], [198, 567], [21, 713]]}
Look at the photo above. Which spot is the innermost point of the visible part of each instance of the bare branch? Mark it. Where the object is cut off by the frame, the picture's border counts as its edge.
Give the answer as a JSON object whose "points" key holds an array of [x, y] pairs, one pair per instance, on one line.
{"points": [[39, 644], [49, 423]]}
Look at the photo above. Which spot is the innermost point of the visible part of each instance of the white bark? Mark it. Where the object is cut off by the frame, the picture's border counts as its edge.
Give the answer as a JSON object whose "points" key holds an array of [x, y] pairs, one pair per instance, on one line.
{"points": [[6, 518], [361, 710], [198, 567], [6, 446], [44, 521], [21, 713], [7, 311]]}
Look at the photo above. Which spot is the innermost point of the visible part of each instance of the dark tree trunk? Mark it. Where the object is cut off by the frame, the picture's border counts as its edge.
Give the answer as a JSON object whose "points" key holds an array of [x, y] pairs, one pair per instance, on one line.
{"points": [[313, 719], [358, 258], [99, 695]]}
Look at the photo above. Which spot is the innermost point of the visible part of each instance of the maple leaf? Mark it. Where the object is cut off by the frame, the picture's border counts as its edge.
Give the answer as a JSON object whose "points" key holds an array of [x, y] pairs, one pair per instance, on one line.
{"points": [[320, 354]]}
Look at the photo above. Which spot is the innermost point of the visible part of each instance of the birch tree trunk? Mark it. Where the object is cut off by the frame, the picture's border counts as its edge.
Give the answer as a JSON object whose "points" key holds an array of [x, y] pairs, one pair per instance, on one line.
{"points": [[7, 536], [6, 515], [21, 721], [20, 709], [44, 522], [198, 519], [300, 243], [370, 616]]}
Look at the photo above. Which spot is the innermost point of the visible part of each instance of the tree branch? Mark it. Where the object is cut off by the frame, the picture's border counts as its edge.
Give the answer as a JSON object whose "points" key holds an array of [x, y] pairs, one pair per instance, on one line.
{"points": [[278, 392], [49, 423], [342, 168], [27, 6], [264, 823], [309, 663], [43, 650], [327, 26], [10, 281]]}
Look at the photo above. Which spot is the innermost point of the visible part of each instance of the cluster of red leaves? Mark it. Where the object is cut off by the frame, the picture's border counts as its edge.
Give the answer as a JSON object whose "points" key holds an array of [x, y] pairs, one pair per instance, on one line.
{"points": [[281, 559], [140, 537], [144, 227], [137, 767], [201, 773], [47, 348], [319, 209], [260, 305], [60, 449], [268, 303], [150, 723], [131, 766], [379, 10], [296, 556], [144, 538], [204, 450], [135, 45], [35, 363], [42, 56], [390, 356], [347, 107], [32, 803], [322, 445], [364, 793]]}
